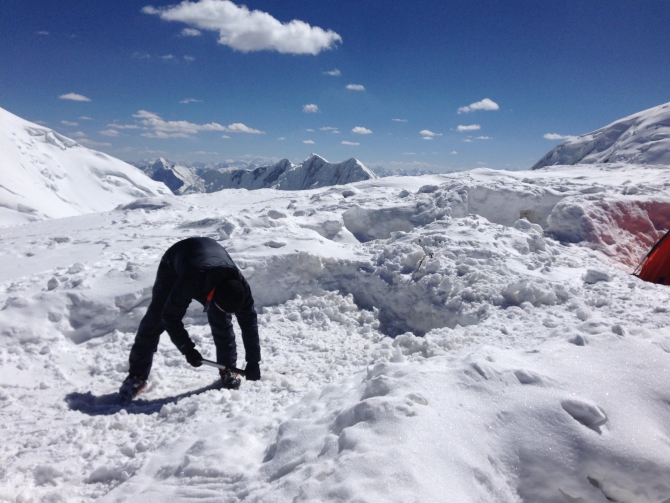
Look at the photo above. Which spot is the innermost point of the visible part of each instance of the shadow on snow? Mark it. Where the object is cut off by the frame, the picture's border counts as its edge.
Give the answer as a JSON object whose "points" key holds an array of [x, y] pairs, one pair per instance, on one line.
{"points": [[107, 405]]}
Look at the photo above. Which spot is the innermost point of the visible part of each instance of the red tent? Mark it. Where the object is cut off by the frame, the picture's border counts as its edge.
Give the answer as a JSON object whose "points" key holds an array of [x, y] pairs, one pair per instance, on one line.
{"points": [[655, 267]]}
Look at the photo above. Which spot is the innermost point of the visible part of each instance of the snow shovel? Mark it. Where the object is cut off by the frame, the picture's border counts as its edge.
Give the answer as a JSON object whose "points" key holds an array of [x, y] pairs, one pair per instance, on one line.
{"points": [[234, 370]]}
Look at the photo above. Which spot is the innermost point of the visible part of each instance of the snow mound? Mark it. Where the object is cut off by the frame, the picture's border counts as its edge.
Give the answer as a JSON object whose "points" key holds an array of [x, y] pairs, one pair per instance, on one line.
{"points": [[45, 175], [642, 138]]}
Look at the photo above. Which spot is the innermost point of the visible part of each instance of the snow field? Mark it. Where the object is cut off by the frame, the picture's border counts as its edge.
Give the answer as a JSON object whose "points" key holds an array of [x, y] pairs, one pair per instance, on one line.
{"points": [[314, 341], [540, 372]]}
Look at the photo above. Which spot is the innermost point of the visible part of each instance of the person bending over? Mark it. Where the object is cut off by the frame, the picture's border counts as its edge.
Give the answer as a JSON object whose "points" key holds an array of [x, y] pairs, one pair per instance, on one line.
{"points": [[196, 269]]}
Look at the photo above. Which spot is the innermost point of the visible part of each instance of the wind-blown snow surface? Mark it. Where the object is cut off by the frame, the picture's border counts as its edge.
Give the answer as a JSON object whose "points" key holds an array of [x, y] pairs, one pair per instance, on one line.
{"points": [[641, 138], [46, 175], [543, 372]]}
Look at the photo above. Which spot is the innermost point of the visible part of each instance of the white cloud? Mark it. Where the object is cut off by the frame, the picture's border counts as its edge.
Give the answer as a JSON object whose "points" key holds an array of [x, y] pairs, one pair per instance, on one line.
{"points": [[74, 97], [485, 104], [350, 143], [483, 138], [109, 132], [361, 130], [453, 152], [328, 128], [427, 137], [310, 109], [141, 55], [355, 87], [426, 132], [245, 30], [184, 129], [399, 120], [84, 118], [123, 126], [309, 130], [308, 142], [189, 58], [468, 140], [333, 73], [226, 137], [190, 100], [238, 127], [162, 135], [78, 134], [41, 32], [554, 136], [202, 152], [69, 123], [471, 127], [191, 32], [409, 153], [93, 144], [281, 138], [167, 56]]}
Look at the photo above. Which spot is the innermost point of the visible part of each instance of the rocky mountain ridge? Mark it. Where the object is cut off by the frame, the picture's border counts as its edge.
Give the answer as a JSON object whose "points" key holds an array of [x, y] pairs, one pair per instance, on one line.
{"points": [[312, 173]]}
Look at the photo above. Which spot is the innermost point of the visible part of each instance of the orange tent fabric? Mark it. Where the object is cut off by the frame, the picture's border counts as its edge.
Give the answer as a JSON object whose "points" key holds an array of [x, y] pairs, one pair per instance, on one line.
{"points": [[655, 267]]}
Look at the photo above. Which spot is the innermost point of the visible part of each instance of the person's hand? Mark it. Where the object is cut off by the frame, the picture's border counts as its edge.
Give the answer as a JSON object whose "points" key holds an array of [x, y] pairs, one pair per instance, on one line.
{"points": [[252, 371], [193, 357]]}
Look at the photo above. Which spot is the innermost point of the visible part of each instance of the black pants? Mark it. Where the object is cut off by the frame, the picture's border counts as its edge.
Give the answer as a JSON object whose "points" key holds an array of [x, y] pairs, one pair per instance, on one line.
{"points": [[151, 327]]}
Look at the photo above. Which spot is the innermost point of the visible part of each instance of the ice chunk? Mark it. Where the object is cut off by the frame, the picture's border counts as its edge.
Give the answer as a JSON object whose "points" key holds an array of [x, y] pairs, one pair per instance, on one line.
{"points": [[594, 275]]}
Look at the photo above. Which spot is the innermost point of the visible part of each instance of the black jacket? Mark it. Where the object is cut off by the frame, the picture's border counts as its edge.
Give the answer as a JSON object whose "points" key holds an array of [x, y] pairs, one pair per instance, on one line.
{"points": [[199, 265]]}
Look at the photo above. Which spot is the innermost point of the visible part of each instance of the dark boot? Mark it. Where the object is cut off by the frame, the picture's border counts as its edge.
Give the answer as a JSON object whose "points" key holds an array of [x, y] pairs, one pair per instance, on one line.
{"points": [[229, 380], [132, 386]]}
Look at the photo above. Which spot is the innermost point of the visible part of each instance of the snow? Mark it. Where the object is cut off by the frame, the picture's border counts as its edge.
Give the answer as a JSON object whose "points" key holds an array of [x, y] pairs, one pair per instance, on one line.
{"points": [[46, 175], [468, 337], [642, 138]]}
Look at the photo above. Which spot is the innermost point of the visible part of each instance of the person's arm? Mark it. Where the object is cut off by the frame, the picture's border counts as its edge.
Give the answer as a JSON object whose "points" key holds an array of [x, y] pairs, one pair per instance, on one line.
{"points": [[248, 320], [173, 313]]}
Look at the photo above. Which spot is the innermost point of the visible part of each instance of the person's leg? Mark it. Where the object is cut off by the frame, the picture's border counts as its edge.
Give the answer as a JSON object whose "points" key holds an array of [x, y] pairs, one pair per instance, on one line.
{"points": [[151, 326], [224, 336]]}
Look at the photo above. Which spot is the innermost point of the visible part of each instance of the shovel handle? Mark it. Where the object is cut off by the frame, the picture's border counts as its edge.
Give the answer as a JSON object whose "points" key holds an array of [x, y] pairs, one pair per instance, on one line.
{"points": [[235, 370]]}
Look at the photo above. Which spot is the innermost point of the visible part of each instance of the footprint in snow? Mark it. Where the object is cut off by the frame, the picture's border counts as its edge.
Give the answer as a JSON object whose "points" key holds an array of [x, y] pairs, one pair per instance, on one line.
{"points": [[578, 340], [587, 414], [528, 377]]}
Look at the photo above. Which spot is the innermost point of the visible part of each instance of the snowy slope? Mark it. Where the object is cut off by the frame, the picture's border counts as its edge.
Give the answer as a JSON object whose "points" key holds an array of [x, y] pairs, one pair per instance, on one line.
{"points": [[527, 364], [642, 138], [46, 175]]}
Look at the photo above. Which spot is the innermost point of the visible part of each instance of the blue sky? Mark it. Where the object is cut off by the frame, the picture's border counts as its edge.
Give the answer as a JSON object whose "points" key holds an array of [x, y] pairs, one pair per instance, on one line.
{"points": [[383, 82]]}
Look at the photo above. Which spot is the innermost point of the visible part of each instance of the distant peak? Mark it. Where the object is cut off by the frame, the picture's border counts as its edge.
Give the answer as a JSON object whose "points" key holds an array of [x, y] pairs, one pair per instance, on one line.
{"points": [[313, 157]]}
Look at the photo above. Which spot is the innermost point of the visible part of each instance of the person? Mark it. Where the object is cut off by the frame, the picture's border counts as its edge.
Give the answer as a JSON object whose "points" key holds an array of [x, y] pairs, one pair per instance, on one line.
{"points": [[198, 269]]}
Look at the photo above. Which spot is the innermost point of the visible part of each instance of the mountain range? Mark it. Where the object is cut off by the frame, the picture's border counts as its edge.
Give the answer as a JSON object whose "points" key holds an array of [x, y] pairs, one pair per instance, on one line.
{"points": [[312, 173], [44, 174]]}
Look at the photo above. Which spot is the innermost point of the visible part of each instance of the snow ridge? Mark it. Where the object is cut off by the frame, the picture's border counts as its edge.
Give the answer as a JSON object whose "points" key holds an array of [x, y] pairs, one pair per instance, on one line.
{"points": [[641, 138]]}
